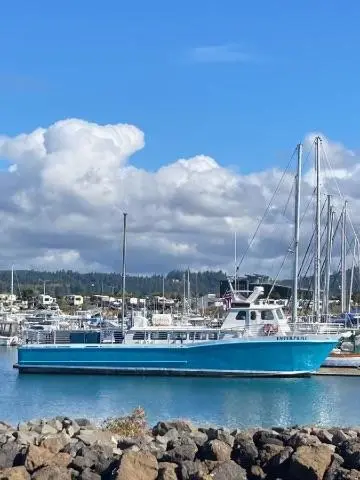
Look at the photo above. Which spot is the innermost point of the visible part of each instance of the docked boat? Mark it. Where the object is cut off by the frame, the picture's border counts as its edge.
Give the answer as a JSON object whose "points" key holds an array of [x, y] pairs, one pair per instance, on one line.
{"points": [[254, 340]]}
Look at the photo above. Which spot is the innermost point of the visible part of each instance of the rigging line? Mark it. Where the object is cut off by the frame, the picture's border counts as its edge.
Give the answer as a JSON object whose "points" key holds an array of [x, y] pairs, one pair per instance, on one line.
{"points": [[266, 211], [338, 188], [278, 274], [310, 243]]}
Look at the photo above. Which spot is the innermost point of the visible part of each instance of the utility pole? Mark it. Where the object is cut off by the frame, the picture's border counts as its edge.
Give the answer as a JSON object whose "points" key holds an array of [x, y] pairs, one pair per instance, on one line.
{"points": [[123, 276]]}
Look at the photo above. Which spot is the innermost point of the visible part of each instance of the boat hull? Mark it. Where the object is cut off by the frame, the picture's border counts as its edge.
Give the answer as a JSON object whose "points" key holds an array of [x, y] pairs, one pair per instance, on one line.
{"points": [[268, 357]]}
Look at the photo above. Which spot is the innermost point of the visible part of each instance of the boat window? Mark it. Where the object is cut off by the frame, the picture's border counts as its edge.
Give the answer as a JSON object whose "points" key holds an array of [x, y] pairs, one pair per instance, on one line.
{"points": [[241, 315], [267, 315], [253, 315], [280, 313]]}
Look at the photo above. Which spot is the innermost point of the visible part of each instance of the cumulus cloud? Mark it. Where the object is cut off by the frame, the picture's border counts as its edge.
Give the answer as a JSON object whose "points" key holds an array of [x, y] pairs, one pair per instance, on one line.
{"points": [[66, 186]]}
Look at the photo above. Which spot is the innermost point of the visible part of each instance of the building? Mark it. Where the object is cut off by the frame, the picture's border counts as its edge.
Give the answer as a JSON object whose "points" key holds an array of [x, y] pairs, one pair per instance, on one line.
{"points": [[74, 300]]}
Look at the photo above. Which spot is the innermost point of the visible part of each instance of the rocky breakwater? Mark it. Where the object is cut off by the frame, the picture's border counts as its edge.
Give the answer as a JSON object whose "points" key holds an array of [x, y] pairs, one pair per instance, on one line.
{"points": [[64, 449]]}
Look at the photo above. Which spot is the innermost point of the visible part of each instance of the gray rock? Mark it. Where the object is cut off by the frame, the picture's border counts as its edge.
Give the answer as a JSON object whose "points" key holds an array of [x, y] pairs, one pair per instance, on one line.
{"points": [[324, 436], [257, 473], [163, 427], [14, 473], [199, 437], [52, 472], [26, 438], [262, 437], [192, 470], [333, 470], [244, 452], [73, 447], [350, 451], [339, 437], [80, 463], [167, 471], [215, 450], [12, 455], [267, 453], [302, 439], [88, 474], [228, 471], [310, 462], [137, 466], [4, 427], [170, 435], [56, 443], [73, 429], [56, 424], [84, 423], [180, 453]]}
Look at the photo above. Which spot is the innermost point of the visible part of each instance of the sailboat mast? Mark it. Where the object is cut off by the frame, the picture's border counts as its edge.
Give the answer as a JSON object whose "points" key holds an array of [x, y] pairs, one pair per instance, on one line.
{"points": [[184, 293], [343, 259], [12, 288], [296, 234], [123, 276], [188, 289], [352, 276], [235, 260], [163, 293], [328, 258], [317, 233]]}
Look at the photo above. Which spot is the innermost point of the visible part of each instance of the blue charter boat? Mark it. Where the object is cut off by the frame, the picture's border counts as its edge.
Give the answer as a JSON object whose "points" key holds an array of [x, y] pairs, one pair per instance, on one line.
{"points": [[254, 340]]}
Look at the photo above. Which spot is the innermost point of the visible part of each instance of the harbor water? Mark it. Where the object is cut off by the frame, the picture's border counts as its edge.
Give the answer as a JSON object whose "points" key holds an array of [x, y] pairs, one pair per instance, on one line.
{"points": [[233, 402]]}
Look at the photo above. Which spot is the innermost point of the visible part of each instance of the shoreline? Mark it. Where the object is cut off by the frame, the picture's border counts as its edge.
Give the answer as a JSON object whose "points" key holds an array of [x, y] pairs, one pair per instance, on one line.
{"points": [[127, 448]]}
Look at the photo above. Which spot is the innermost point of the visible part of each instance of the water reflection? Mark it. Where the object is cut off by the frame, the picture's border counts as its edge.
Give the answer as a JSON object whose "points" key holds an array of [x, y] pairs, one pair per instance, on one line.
{"points": [[232, 402]]}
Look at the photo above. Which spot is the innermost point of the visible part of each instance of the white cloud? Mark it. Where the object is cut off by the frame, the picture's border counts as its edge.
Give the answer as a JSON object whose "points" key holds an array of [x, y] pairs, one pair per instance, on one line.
{"points": [[62, 200]]}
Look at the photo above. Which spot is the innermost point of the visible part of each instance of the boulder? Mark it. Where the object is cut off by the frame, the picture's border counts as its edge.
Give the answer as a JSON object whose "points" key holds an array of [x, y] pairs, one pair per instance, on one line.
{"points": [[52, 472], [199, 437], [170, 435], [90, 437], [37, 457], [73, 447], [228, 471], [350, 451], [193, 470], [14, 473], [56, 424], [324, 436], [137, 466], [215, 450], [244, 452], [222, 434], [88, 474], [4, 427], [257, 473], [55, 443], [333, 471], [310, 462], [27, 438], [85, 423], [12, 455], [180, 453], [167, 471], [339, 437], [262, 437], [267, 454], [302, 439], [161, 428]]}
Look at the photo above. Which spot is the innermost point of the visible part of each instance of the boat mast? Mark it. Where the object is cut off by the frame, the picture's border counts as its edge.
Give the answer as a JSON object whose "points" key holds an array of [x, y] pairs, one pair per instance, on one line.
{"points": [[163, 293], [329, 217], [317, 233], [123, 276], [184, 293], [352, 276], [12, 288], [296, 235], [343, 259], [235, 260], [188, 291]]}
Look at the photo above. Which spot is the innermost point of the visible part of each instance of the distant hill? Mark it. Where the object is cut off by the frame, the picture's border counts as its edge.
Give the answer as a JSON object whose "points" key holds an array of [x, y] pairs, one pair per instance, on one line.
{"points": [[64, 282]]}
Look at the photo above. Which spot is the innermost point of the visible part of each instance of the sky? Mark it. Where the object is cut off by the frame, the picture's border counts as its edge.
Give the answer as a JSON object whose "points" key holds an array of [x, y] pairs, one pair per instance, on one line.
{"points": [[183, 113]]}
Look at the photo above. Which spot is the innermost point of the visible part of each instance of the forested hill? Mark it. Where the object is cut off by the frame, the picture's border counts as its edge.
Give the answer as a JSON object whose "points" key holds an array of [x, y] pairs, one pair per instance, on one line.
{"points": [[64, 282]]}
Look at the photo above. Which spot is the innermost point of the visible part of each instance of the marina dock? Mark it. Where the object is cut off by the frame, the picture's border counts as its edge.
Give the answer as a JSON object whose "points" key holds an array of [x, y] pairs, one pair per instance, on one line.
{"points": [[339, 371]]}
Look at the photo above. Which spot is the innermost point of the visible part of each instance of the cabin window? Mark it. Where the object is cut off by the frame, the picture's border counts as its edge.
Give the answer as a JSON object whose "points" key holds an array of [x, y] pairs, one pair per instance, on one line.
{"points": [[280, 313], [253, 315], [241, 315], [267, 315]]}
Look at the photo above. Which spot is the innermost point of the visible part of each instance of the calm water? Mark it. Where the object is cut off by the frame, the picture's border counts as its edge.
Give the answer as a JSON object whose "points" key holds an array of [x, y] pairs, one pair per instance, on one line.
{"points": [[232, 402]]}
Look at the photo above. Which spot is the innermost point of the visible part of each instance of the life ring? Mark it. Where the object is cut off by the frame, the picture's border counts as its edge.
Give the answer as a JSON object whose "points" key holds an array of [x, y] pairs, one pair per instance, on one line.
{"points": [[270, 329]]}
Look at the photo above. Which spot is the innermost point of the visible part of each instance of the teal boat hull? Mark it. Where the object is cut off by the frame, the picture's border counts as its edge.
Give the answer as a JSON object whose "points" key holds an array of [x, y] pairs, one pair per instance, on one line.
{"points": [[293, 356]]}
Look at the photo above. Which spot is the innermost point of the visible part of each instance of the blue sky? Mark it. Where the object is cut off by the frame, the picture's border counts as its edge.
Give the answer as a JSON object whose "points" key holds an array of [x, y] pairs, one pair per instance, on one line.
{"points": [[237, 80]]}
